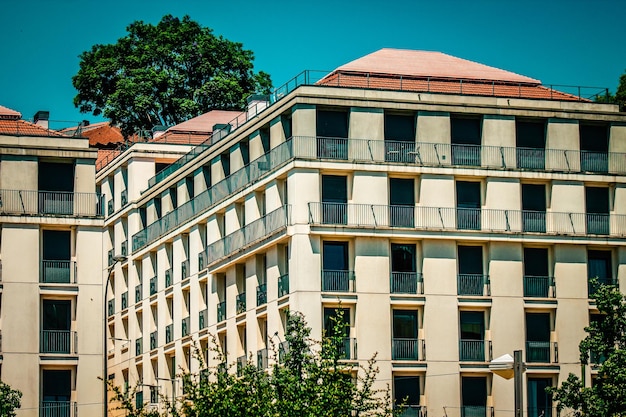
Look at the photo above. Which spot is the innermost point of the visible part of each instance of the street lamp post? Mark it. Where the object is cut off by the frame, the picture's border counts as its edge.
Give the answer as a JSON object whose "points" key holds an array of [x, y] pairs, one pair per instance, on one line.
{"points": [[511, 367], [105, 354]]}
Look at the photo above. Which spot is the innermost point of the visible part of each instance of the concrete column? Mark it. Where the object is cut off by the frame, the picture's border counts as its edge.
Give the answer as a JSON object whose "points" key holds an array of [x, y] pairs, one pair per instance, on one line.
{"points": [[563, 135], [433, 137], [498, 137], [85, 171], [303, 120]]}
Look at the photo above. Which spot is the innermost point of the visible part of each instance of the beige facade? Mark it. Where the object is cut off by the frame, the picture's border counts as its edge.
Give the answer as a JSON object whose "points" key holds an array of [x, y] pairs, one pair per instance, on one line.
{"points": [[455, 241], [51, 272]]}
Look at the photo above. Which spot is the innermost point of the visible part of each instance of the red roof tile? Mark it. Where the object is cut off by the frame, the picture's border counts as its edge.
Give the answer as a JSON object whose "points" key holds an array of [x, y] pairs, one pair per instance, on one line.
{"points": [[24, 128], [8, 114], [205, 122], [100, 134]]}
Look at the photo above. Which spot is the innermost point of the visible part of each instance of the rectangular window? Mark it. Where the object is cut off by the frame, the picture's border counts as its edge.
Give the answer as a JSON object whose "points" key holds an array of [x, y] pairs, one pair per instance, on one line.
{"points": [[406, 389], [537, 281], [538, 337], [400, 138], [530, 140], [471, 280], [337, 324], [594, 148], [539, 401], [472, 336], [402, 202], [466, 140], [534, 208], [56, 188], [332, 134], [336, 275], [55, 326], [334, 199], [468, 205], [56, 255], [597, 204], [403, 269], [599, 267], [405, 343], [56, 392], [474, 396]]}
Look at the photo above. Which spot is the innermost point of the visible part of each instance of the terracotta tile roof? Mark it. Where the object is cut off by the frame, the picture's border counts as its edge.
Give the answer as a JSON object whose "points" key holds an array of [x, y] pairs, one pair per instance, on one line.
{"points": [[100, 134], [205, 122], [24, 128], [435, 72], [8, 114], [105, 156], [182, 138]]}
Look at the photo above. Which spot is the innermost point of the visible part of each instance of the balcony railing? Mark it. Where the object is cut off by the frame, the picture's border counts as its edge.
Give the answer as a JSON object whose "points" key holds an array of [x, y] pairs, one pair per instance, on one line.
{"points": [[154, 285], [241, 363], [221, 311], [338, 281], [403, 349], [542, 352], [124, 197], [283, 285], [473, 284], [58, 272], [202, 263], [413, 411], [477, 411], [347, 348], [111, 257], [458, 219], [111, 307], [124, 300], [58, 409], [241, 303], [58, 341], [474, 350], [110, 207], [184, 269], [124, 248], [283, 349], [51, 203], [154, 340], [168, 278], [203, 319], [138, 346], [594, 285], [169, 333], [261, 295], [185, 325], [407, 283], [539, 287], [263, 228], [262, 359], [138, 293]]}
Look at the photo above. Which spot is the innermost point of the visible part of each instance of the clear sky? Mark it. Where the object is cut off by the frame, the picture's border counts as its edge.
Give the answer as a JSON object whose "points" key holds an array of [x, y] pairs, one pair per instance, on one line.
{"points": [[570, 42]]}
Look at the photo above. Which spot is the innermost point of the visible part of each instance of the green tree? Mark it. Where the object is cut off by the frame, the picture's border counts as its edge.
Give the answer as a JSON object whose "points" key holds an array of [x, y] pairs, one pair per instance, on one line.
{"points": [[10, 400], [605, 343], [619, 97], [165, 74]]}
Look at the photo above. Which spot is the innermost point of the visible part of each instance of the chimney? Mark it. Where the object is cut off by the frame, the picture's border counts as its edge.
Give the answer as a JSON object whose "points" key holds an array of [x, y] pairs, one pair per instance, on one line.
{"points": [[256, 104], [41, 118]]}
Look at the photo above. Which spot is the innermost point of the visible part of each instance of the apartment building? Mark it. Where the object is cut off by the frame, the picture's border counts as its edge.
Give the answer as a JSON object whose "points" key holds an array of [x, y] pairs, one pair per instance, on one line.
{"points": [[51, 271], [455, 211]]}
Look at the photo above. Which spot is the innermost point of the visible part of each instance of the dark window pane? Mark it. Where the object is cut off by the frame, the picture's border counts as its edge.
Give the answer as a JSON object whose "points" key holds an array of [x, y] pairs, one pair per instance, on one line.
{"points": [[536, 262], [56, 177], [335, 256], [56, 385], [399, 127], [474, 391], [406, 389], [330, 317], [56, 245], [333, 124], [539, 401], [402, 258], [334, 189], [405, 324], [534, 197], [465, 131], [597, 200], [538, 327], [599, 264], [472, 325], [594, 138], [56, 315], [530, 134], [468, 194], [401, 191], [470, 259]]}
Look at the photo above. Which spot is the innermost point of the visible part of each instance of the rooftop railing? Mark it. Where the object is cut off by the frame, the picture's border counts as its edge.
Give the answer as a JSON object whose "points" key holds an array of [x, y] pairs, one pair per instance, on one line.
{"points": [[452, 218], [51, 203]]}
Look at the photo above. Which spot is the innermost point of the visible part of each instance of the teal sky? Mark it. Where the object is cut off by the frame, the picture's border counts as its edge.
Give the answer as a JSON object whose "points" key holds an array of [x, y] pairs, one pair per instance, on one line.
{"points": [[568, 42]]}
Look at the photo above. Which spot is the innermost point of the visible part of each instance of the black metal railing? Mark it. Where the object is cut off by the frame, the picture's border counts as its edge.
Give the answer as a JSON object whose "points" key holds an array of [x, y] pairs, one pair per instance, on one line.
{"points": [[408, 349], [593, 285], [154, 288], [241, 303], [407, 283], [138, 293], [203, 319], [58, 341], [124, 303], [338, 281], [51, 203], [412, 411], [168, 277], [347, 348], [474, 350], [58, 272], [169, 333], [283, 285], [261, 294], [262, 359], [154, 340], [539, 287], [58, 409], [221, 311], [138, 346], [477, 411], [185, 326], [473, 284], [542, 352]]}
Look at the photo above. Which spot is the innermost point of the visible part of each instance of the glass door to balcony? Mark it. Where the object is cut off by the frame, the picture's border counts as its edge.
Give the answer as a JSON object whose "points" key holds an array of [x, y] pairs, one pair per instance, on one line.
{"points": [[56, 188], [56, 392], [471, 280], [406, 389], [405, 343], [599, 267], [597, 204], [594, 148], [334, 199], [335, 267], [468, 205], [56, 254], [474, 396], [332, 134], [400, 138], [534, 208], [472, 341], [539, 401], [538, 337], [403, 269], [466, 140], [337, 324], [537, 281], [55, 327], [530, 140], [402, 202]]}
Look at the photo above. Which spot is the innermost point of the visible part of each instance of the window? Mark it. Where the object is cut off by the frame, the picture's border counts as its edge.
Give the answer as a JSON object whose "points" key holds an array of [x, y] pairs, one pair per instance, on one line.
{"points": [[336, 275], [597, 204], [538, 344], [55, 327], [56, 392], [468, 205], [472, 336], [406, 389], [337, 324], [471, 280], [537, 282], [332, 134], [405, 344], [404, 279], [400, 138], [530, 140], [56, 253], [466, 139], [534, 208], [402, 202], [56, 188], [334, 199], [539, 401], [474, 396], [599, 267], [594, 148]]}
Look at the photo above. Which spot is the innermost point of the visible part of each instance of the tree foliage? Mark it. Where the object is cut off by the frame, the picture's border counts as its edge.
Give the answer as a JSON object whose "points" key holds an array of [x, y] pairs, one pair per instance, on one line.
{"points": [[620, 95], [165, 74], [10, 400], [308, 379], [605, 343]]}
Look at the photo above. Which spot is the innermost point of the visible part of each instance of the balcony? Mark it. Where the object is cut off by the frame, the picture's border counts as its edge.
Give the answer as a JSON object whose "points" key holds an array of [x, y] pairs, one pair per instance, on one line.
{"points": [[241, 303], [413, 411], [124, 300], [50, 203], [283, 285], [407, 283], [110, 207], [169, 333], [138, 293], [221, 311], [256, 231], [539, 287], [124, 248], [261, 295], [473, 285], [154, 340], [241, 363], [346, 348], [542, 352], [168, 278], [138, 346], [338, 281], [202, 263], [58, 272], [111, 257], [58, 342], [408, 349], [185, 326], [203, 319], [184, 269], [58, 409], [153, 285], [124, 197], [594, 285], [262, 359], [111, 307], [474, 350], [477, 411], [283, 349], [372, 216]]}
